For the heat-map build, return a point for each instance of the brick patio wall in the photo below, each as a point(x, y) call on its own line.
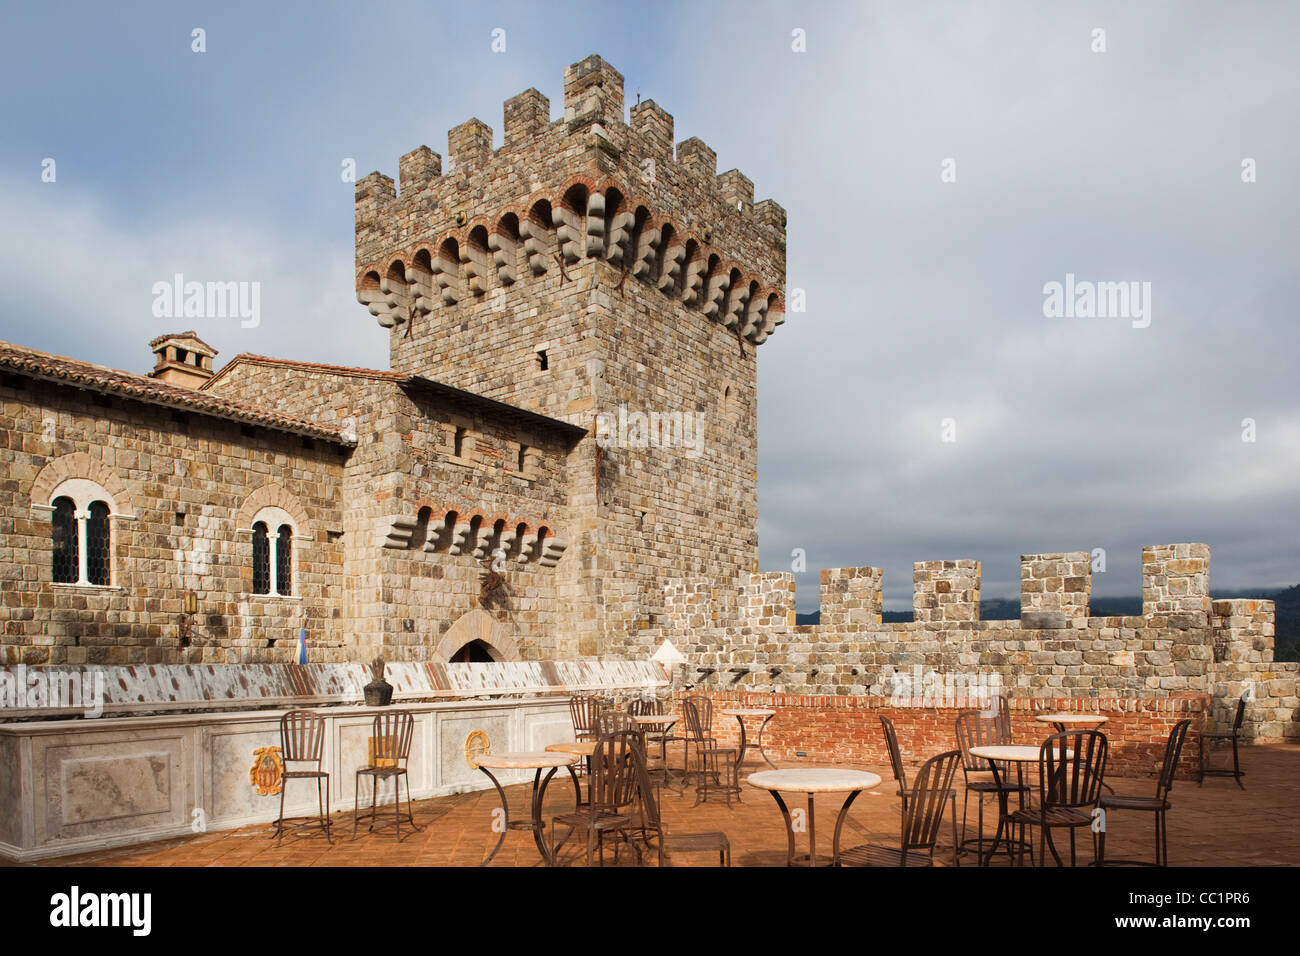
point(843, 729)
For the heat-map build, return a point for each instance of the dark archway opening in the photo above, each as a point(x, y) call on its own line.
point(475, 652)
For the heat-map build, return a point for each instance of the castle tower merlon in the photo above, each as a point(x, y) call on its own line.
point(469, 145)
point(653, 125)
point(418, 169)
point(526, 115)
point(593, 94)
point(737, 190)
point(695, 155)
point(1055, 589)
point(946, 591)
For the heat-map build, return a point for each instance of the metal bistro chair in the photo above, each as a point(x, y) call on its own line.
point(651, 707)
point(392, 736)
point(670, 843)
point(611, 792)
point(976, 729)
point(1217, 737)
point(302, 741)
point(704, 708)
point(922, 817)
point(1159, 804)
point(1071, 767)
point(900, 775)
point(713, 761)
point(583, 712)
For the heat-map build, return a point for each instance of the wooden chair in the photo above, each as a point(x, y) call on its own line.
point(302, 741)
point(1159, 804)
point(391, 736)
point(611, 790)
point(976, 729)
point(1071, 767)
point(713, 761)
point(1217, 737)
point(900, 775)
point(670, 843)
point(922, 817)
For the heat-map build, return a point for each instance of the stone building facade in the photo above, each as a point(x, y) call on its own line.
point(560, 462)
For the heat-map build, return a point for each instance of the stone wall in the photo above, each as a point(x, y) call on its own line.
point(181, 483)
point(1060, 653)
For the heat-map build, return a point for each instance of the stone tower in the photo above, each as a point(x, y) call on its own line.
point(584, 272)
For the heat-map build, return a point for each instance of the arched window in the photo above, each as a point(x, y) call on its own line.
point(65, 541)
point(273, 536)
point(284, 560)
point(81, 534)
point(261, 559)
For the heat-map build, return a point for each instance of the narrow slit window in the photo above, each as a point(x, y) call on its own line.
point(459, 443)
point(98, 544)
point(284, 560)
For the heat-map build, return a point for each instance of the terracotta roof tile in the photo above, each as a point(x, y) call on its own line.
point(100, 378)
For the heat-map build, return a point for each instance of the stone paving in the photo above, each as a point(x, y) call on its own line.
point(1216, 824)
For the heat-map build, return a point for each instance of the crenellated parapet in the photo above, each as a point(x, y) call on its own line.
point(591, 186)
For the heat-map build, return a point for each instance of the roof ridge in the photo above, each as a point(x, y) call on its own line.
point(59, 368)
point(353, 370)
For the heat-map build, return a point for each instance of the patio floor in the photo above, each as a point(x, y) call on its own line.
point(1217, 824)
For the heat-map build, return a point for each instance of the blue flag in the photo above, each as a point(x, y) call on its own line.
point(302, 645)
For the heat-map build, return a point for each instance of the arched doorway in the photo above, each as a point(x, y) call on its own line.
point(475, 652)
point(477, 636)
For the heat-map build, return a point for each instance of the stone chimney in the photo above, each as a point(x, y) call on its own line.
point(182, 358)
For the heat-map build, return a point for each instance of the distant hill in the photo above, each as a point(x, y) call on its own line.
point(1287, 642)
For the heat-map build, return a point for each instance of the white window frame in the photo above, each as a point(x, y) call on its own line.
point(273, 518)
point(83, 492)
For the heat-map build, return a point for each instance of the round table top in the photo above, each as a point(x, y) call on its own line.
point(750, 712)
point(1072, 718)
point(524, 761)
point(578, 748)
point(655, 719)
point(814, 779)
point(1016, 753)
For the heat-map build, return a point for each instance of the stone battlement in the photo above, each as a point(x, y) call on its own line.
point(588, 187)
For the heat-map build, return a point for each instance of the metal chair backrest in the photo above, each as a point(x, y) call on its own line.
point(649, 801)
point(923, 810)
point(895, 758)
point(1173, 748)
point(696, 730)
point(583, 711)
point(302, 737)
point(392, 734)
point(1071, 767)
point(1241, 714)
point(1004, 717)
point(975, 729)
point(704, 707)
point(613, 772)
point(612, 721)
point(645, 707)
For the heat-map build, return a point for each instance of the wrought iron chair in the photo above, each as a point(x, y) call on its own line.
point(713, 761)
point(1159, 804)
point(583, 712)
point(669, 843)
point(1071, 767)
point(704, 706)
point(302, 741)
point(610, 721)
point(612, 789)
point(922, 817)
point(900, 775)
point(392, 735)
point(1215, 737)
point(977, 729)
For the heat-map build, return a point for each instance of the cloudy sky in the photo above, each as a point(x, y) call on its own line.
point(925, 297)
